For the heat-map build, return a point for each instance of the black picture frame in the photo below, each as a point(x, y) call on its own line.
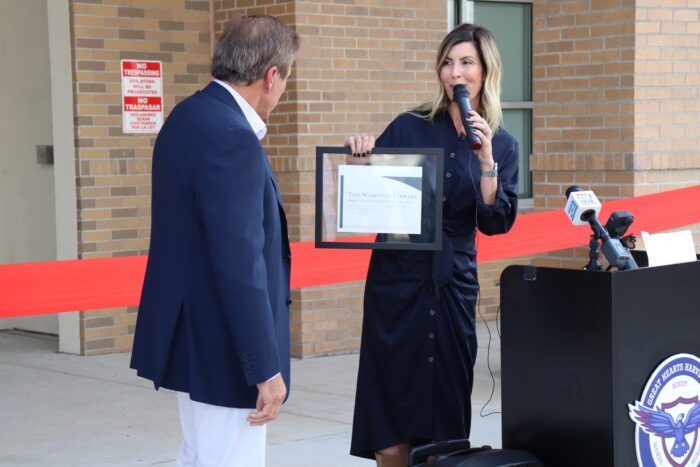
point(328, 159)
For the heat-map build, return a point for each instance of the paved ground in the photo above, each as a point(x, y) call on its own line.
point(66, 410)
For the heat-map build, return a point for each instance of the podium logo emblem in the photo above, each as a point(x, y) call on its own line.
point(667, 416)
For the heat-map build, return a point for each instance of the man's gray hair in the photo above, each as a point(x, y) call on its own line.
point(250, 45)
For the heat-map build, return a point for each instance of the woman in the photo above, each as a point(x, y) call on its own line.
point(418, 338)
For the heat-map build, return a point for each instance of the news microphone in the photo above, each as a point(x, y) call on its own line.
point(460, 95)
point(580, 205)
point(583, 207)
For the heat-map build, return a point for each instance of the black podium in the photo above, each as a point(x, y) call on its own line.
point(578, 346)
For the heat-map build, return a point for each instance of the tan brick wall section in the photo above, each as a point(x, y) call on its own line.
point(361, 63)
point(583, 56)
point(616, 106)
point(616, 109)
point(113, 169)
point(667, 97)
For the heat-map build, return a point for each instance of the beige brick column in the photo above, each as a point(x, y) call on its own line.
point(361, 63)
point(584, 89)
point(667, 97)
point(113, 168)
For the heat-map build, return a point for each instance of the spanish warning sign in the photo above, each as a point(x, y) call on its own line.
point(142, 96)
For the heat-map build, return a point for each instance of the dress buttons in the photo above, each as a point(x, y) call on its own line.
point(452, 155)
point(431, 336)
point(432, 312)
point(431, 359)
point(444, 198)
point(448, 174)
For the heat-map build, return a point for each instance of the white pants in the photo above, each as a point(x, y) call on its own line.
point(218, 436)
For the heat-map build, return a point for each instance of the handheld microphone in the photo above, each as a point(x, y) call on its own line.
point(583, 207)
point(460, 95)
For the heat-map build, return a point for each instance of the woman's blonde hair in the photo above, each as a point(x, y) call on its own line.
point(490, 99)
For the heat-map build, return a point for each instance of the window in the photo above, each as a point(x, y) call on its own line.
point(511, 24)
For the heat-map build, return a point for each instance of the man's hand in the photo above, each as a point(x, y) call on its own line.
point(270, 397)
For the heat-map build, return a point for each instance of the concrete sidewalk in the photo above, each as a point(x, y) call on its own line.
point(66, 410)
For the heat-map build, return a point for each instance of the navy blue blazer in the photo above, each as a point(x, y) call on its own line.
point(213, 320)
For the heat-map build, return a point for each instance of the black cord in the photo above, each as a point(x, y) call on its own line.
point(478, 305)
point(488, 362)
point(498, 319)
point(476, 203)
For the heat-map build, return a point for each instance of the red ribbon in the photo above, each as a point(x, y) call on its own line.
point(59, 286)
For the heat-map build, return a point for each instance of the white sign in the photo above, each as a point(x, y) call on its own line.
point(379, 199)
point(669, 248)
point(142, 96)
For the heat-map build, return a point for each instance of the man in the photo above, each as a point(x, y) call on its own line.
point(213, 322)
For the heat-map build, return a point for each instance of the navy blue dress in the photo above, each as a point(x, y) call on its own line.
point(418, 335)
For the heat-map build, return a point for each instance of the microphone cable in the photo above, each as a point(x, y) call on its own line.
point(478, 307)
point(488, 358)
point(478, 303)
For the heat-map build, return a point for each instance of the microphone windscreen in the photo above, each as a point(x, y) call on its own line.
point(570, 189)
point(460, 91)
point(580, 205)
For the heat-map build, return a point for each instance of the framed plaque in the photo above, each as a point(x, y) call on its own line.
point(391, 199)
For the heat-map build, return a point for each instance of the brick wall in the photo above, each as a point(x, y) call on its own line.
point(616, 109)
point(327, 320)
point(583, 83)
point(113, 169)
point(616, 106)
point(361, 63)
point(667, 100)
